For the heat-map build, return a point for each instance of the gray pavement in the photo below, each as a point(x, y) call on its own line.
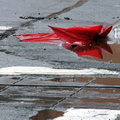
point(22, 96)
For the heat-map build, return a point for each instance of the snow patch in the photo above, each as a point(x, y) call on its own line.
point(17, 70)
point(5, 27)
point(89, 114)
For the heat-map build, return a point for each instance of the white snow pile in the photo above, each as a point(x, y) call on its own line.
point(90, 114)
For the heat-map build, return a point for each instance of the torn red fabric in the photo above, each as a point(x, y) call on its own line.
point(81, 40)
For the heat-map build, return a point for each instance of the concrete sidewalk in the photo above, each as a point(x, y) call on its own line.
point(25, 92)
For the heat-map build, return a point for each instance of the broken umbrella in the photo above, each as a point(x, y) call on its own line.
point(84, 41)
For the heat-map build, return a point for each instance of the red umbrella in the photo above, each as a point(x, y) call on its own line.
point(83, 41)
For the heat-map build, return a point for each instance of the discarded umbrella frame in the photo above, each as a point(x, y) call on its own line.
point(84, 41)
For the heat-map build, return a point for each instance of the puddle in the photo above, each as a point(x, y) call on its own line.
point(4, 99)
point(107, 81)
point(112, 58)
point(9, 79)
point(47, 115)
point(49, 96)
point(94, 98)
point(71, 79)
point(81, 114)
point(114, 43)
point(58, 92)
point(15, 78)
point(101, 100)
point(105, 92)
point(101, 96)
point(1, 88)
point(89, 114)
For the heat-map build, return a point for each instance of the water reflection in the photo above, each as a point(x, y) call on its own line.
point(112, 58)
point(95, 98)
point(104, 91)
point(71, 79)
point(47, 114)
point(95, 49)
point(107, 81)
point(101, 100)
point(113, 41)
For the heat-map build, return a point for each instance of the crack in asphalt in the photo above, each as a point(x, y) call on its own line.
point(74, 93)
point(7, 87)
point(67, 9)
point(64, 10)
point(11, 31)
point(7, 33)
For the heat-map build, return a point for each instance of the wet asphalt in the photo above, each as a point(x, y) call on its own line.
point(22, 96)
